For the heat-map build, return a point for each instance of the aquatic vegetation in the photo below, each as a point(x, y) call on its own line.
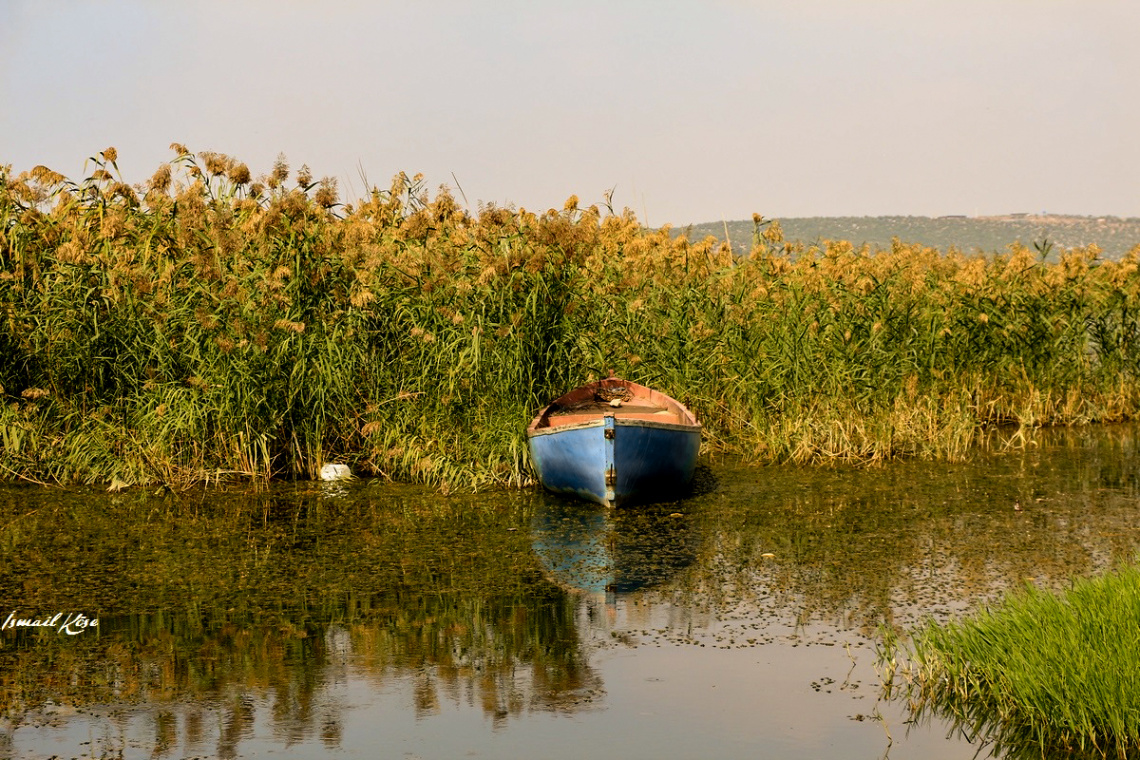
point(212, 325)
point(1041, 673)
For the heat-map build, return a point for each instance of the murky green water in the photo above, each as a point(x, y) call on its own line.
point(379, 621)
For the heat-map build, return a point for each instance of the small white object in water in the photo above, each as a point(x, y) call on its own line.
point(336, 472)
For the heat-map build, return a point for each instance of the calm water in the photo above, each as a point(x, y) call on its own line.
point(374, 620)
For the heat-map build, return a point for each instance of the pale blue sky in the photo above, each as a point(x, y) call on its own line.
point(692, 111)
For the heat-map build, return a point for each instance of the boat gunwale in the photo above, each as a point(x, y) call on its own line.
point(618, 422)
point(689, 420)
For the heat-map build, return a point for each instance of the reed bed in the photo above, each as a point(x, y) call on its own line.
point(1040, 674)
point(210, 325)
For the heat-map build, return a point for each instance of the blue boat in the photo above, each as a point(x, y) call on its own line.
point(615, 442)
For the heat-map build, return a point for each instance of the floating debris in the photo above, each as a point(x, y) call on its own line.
point(336, 472)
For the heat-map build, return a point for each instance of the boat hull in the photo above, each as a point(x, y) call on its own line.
point(614, 461)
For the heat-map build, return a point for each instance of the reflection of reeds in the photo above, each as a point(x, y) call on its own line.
point(210, 324)
point(515, 655)
point(863, 547)
point(259, 596)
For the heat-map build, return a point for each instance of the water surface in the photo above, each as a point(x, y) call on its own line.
point(374, 620)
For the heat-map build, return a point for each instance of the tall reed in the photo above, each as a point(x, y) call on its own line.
point(209, 323)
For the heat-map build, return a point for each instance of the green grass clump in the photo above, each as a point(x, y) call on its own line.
point(209, 324)
point(1044, 673)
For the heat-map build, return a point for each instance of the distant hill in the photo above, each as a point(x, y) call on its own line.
point(1114, 235)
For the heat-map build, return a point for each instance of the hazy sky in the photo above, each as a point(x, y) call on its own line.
point(690, 111)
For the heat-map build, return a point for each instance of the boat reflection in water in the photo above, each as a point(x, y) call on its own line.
point(601, 552)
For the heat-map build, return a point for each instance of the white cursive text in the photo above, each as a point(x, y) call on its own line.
point(70, 623)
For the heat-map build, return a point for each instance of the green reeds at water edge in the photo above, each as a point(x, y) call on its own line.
point(210, 324)
point(1039, 675)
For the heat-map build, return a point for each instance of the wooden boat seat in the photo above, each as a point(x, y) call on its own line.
point(590, 411)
